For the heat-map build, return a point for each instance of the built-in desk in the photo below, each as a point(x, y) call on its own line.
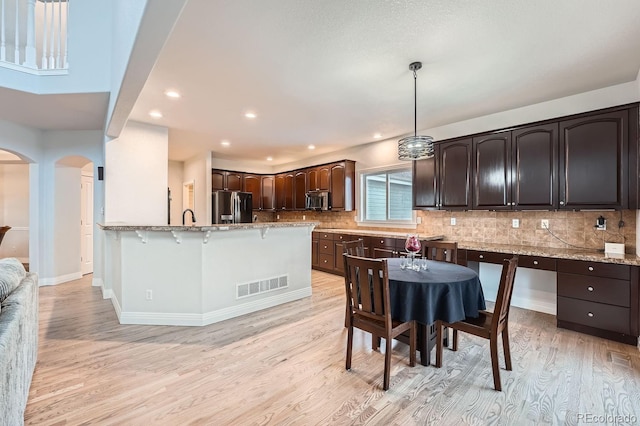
point(596, 294)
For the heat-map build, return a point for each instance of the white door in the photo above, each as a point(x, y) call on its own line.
point(86, 224)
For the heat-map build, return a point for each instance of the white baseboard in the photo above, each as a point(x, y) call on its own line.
point(115, 303)
point(533, 305)
point(59, 279)
point(157, 318)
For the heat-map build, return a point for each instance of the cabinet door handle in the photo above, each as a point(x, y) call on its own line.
point(562, 203)
point(535, 262)
point(590, 314)
point(590, 268)
point(481, 256)
point(590, 288)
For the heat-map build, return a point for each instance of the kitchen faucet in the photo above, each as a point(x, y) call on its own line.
point(193, 216)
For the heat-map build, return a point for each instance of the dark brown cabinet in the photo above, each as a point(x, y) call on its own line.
point(268, 192)
point(284, 191)
point(299, 189)
point(226, 180)
point(598, 298)
point(455, 174)
point(252, 184)
point(594, 162)
point(318, 178)
point(586, 161)
point(343, 185)
point(315, 246)
point(535, 167)
point(492, 171)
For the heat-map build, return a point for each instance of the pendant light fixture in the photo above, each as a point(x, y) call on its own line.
point(415, 147)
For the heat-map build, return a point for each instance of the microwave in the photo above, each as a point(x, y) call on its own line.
point(318, 200)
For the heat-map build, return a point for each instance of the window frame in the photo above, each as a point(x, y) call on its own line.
point(361, 191)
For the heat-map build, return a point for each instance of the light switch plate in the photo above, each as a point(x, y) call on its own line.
point(453, 221)
point(515, 223)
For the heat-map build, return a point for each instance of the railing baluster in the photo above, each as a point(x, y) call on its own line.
point(52, 63)
point(16, 50)
point(65, 64)
point(3, 28)
point(44, 65)
point(58, 61)
point(30, 47)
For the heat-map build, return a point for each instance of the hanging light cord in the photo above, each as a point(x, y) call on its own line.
point(415, 103)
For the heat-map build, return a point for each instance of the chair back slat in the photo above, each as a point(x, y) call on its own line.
point(354, 248)
point(367, 285)
point(444, 251)
point(505, 290)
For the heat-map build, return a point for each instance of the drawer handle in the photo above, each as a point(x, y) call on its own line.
point(381, 241)
point(591, 268)
point(325, 246)
point(590, 314)
point(535, 262)
point(481, 256)
point(590, 288)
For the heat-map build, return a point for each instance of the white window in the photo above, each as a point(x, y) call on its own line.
point(385, 196)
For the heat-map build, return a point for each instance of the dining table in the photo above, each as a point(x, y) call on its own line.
point(441, 291)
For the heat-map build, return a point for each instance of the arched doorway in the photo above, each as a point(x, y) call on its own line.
point(14, 205)
point(73, 217)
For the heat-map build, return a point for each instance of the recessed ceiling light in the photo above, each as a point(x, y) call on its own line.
point(269, 158)
point(377, 135)
point(311, 147)
point(250, 115)
point(172, 94)
point(155, 114)
point(225, 143)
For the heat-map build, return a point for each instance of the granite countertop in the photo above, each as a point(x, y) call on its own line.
point(378, 233)
point(221, 227)
point(557, 253)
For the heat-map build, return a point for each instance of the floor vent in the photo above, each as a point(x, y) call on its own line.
point(262, 286)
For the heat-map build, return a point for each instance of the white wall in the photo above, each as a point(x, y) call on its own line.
point(14, 210)
point(175, 184)
point(198, 170)
point(136, 175)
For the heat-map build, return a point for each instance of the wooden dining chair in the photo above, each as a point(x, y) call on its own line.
point(489, 325)
point(369, 302)
point(353, 248)
point(444, 251)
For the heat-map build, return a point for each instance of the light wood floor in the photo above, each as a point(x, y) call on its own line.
point(285, 365)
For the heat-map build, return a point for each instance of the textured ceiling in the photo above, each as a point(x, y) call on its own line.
point(334, 72)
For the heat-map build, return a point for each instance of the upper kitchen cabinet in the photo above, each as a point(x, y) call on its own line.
point(299, 189)
point(226, 180)
point(455, 174)
point(594, 161)
point(425, 182)
point(268, 192)
point(252, 184)
point(492, 171)
point(284, 191)
point(318, 178)
point(535, 167)
point(343, 185)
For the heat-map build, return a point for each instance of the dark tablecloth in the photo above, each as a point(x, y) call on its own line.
point(445, 291)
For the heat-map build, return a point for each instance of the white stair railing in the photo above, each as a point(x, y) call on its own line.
point(34, 35)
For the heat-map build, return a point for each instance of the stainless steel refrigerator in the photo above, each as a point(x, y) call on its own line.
point(231, 207)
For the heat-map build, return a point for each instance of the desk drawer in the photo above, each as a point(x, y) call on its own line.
point(345, 237)
point(384, 242)
point(598, 315)
point(325, 235)
point(597, 269)
point(487, 256)
point(595, 289)
point(537, 262)
point(326, 247)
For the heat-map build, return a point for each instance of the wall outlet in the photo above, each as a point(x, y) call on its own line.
point(304, 217)
point(601, 224)
point(277, 217)
point(149, 295)
point(515, 223)
point(418, 220)
point(544, 223)
point(453, 221)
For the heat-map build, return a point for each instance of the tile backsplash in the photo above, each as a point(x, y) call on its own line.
point(567, 229)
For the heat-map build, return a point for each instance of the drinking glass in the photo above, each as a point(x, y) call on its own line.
point(412, 246)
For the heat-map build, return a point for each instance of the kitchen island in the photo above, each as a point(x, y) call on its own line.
point(198, 275)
